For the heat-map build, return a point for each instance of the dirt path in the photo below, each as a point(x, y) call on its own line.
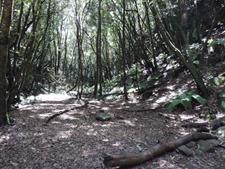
point(75, 140)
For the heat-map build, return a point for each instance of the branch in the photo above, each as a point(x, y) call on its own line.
point(65, 111)
point(131, 160)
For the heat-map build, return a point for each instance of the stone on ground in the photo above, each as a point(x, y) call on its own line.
point(185, 151)
point(102, 116)
point(207, 145)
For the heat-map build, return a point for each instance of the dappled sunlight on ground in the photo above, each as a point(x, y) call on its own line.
point(4, 138)
point(166, 164)
point(183, 132)
point(186, 117)
point(76, 136)
point(63, 134)
point(129, 123)
point(49, 97)
point(92, 132)
point(116, 144)
point(43, 116)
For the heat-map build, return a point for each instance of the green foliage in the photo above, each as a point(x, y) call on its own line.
point(8, 119)
point(219, 80)
point(193, 52)
point(222, 105)
point(135, 69)
point(214, 42)
point(222, 95)
point(185, 100)
point(110, 84)
point(131, 78)
point(221, 99)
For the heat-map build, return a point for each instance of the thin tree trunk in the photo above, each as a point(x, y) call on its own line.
point(189, 65)
point(124, 51)
point(6, 19)
point(98, 73)
point(151, 36)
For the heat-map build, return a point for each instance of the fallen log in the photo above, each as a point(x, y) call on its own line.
point(139, 110)
point(65, 111)
point(218, 123)
point(215, 124)
point(112, 94)
point(130, 160)
point(195, 125)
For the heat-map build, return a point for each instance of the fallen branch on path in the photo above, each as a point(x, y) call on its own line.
point(112, 94)
point(138, 110)
point(215, 124)
point(168, 116)
point(131, 160)
point(65, 111)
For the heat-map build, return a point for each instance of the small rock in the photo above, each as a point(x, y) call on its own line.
point(102, 116)
point(14, 164)
point(221, 131)
point(191, 144)
point(186, 151)
point(222, 145)
point(140, 148)
point(207, 145)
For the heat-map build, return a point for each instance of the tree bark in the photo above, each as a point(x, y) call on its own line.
point(4, 47)
point(98, 75)
point(151, 35)
point(124, 51)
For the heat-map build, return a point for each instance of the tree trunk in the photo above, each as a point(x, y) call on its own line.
point(98, 75)
point(151, 36)
point(4, 47)
point(189, 65)
point(124, 51)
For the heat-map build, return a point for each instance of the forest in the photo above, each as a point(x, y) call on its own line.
point(95, 84)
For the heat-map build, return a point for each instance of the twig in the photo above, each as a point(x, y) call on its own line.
point(65, 111)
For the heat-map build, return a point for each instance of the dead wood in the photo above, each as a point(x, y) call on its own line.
point(215, 124)
point(168, 116)
point(138, 110)
point(112, 94)
point(195, 125)
point(65, 111)
point(130, 160)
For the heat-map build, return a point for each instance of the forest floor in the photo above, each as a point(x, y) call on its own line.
point(77, 140)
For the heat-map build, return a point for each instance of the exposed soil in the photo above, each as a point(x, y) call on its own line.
point(76, 140)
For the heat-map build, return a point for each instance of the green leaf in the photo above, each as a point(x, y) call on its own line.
point(222, 95)
point(222, 104)
point(8, 119)
point(199, 99)
point(196, 62)
point(219, 80)
point(186, 102)
point(103, 117)
point(173, 105)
